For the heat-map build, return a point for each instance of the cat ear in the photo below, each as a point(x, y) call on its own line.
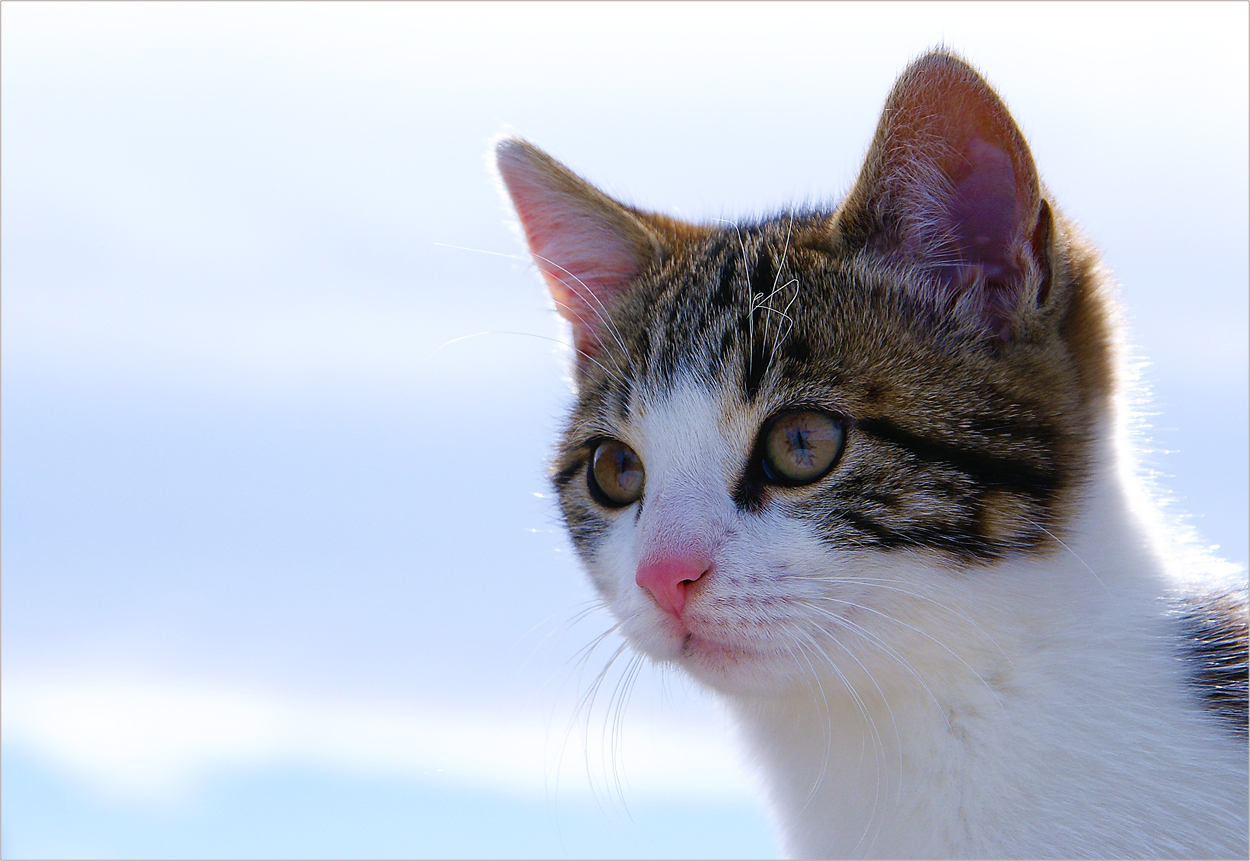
point(949, 186)
point(588, 247)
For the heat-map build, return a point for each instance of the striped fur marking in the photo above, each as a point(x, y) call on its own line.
point(1215, 647)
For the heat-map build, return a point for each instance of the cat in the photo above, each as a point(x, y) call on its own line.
point(865, 473)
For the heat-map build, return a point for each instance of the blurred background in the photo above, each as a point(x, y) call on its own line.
point(281, 573)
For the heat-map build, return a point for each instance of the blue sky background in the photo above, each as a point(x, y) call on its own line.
point(281, 576)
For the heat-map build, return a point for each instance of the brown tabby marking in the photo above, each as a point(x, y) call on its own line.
point(958, 443)
point(1216, 648)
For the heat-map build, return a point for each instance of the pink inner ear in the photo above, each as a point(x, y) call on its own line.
point(984, 227)
point(586, 267)
point(588, 248)
point(950, 168)
point(984, 209)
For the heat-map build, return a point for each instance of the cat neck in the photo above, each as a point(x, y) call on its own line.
point(1019, 690)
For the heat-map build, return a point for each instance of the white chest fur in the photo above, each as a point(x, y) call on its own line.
point(1052, 721)
point(1036, 707)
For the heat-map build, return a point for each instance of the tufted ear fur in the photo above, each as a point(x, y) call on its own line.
point(949, 186)
point(588, 247)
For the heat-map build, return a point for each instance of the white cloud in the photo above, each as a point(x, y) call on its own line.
point(155, 741)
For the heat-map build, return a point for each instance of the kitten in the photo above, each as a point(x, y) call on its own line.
point(863, 472)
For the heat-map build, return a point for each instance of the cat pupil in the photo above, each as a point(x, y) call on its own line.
point(627, 477)
point(799, 448)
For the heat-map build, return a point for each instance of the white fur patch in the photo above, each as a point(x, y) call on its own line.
point(902, 707)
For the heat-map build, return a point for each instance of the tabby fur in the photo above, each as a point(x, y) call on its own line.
point(969, 638)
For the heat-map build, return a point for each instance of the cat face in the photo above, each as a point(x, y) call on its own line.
point(791, 436)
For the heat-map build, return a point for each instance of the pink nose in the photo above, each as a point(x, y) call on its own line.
point(667, 579)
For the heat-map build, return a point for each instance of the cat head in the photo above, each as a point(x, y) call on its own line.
point(776, 420)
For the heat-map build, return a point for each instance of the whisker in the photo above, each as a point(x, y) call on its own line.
point(560, 631)
point(878, 583)
point(587, 702)
point(600, 311)
point(777, 277)
point(585, 291)
point(884, 699)
point(927, 636)
point(786, 311)
point(827, 718)
point(753, 306)
point(606, 370)
point(619, 375)
point(523, 259)
point(616, 718)
point(1075, 555)
point(580, 658)
point(884, 646)
point(878, 746)
point(517, 257)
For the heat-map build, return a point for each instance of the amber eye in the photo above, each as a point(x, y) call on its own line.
point(615, 474)
point(801, 446)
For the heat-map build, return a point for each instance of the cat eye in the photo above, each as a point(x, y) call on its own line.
point(800, 446)
point(615, 475)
